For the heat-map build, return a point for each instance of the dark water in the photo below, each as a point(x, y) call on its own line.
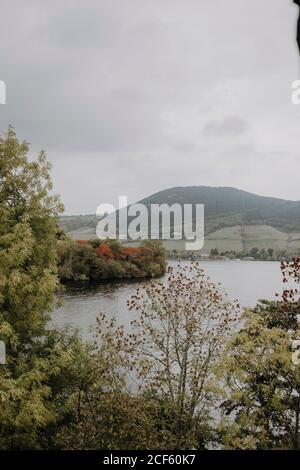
point(247, 281)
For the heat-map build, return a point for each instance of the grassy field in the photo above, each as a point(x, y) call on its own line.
point(243, 238)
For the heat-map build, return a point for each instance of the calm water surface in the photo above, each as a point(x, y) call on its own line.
point(247, 281)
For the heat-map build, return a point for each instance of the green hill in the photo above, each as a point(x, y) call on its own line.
point(234, 219)
point(226, 207)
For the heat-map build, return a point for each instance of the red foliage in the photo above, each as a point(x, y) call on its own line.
point(104, 250)
point(131, 252)
point(291, 274)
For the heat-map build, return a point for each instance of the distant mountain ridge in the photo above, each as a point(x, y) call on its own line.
point(225, 207)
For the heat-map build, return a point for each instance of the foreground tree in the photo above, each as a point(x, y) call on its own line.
point(262, 409)
point(28, 217)
point(180, 330)
point(98, 410)
point(28, 226)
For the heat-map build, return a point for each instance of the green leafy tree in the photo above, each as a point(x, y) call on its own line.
point(262, 407)
point(28, 227)
point(214, 252)
point(97, 409)
point(28, 279)
point(254, 252)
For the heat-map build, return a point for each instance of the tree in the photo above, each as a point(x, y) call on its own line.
point(77, 261)
point(262, 407)
point(151, 258)
point(97, 260)
point(254, 252)
point(28, 225)
point(97, 410)
point(105, 250)
point(214, 252)
point(179, 330)
point(28, 279)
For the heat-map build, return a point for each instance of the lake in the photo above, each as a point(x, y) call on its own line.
point(247, 281)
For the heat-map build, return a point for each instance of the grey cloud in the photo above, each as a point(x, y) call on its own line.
point(229, 126)
point(184, 147)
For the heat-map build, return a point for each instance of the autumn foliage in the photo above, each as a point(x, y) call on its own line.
point(105, 250)
point(94, 260)
point(125, 253)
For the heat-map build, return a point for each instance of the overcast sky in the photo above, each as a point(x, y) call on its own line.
point(134, 96)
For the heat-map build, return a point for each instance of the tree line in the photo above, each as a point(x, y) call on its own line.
point(258, 254)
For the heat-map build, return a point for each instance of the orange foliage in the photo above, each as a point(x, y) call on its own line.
point(126, 253)
point(131, 251)
point(104, 250)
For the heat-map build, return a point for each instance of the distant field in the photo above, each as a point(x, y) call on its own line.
point(237, 238)
point(243, 238)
